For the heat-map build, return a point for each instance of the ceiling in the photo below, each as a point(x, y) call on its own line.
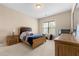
point(47, 9)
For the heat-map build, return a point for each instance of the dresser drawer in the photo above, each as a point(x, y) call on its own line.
point(12, 40)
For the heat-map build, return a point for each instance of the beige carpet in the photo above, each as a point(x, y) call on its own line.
point(21, 49)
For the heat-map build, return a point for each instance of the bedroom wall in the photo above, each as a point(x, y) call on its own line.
point(11, 20)
point(62, 21)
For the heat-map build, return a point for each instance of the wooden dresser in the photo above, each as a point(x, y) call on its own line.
point(67, 45)
point(12, 39)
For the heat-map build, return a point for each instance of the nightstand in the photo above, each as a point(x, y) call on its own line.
point(12, 40)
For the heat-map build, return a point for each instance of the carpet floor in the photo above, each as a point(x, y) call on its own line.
point(21, 49)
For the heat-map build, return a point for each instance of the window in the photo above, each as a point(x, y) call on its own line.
point(49, 27)
point(45, 28)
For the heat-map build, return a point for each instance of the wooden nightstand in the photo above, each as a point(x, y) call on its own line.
point(12, 39)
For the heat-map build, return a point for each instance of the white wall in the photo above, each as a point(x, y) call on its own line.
point(11, 20)
point(62, 21)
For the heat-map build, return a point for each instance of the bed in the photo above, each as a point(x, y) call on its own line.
point(33, 40)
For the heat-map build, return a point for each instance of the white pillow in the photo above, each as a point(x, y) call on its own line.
point(28, 32)
point(24, 34)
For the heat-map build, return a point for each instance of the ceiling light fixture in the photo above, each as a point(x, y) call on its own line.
point(38, 5)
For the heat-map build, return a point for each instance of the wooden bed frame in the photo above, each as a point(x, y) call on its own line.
point(36, 42)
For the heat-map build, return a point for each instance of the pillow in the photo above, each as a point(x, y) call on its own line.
point(29, 33)
point(25, 35)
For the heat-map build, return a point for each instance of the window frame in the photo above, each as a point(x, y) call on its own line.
point(48, 25)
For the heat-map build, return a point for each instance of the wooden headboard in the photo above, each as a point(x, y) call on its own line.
point(23, 29)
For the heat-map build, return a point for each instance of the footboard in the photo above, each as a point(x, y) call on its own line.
point(37, 42)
